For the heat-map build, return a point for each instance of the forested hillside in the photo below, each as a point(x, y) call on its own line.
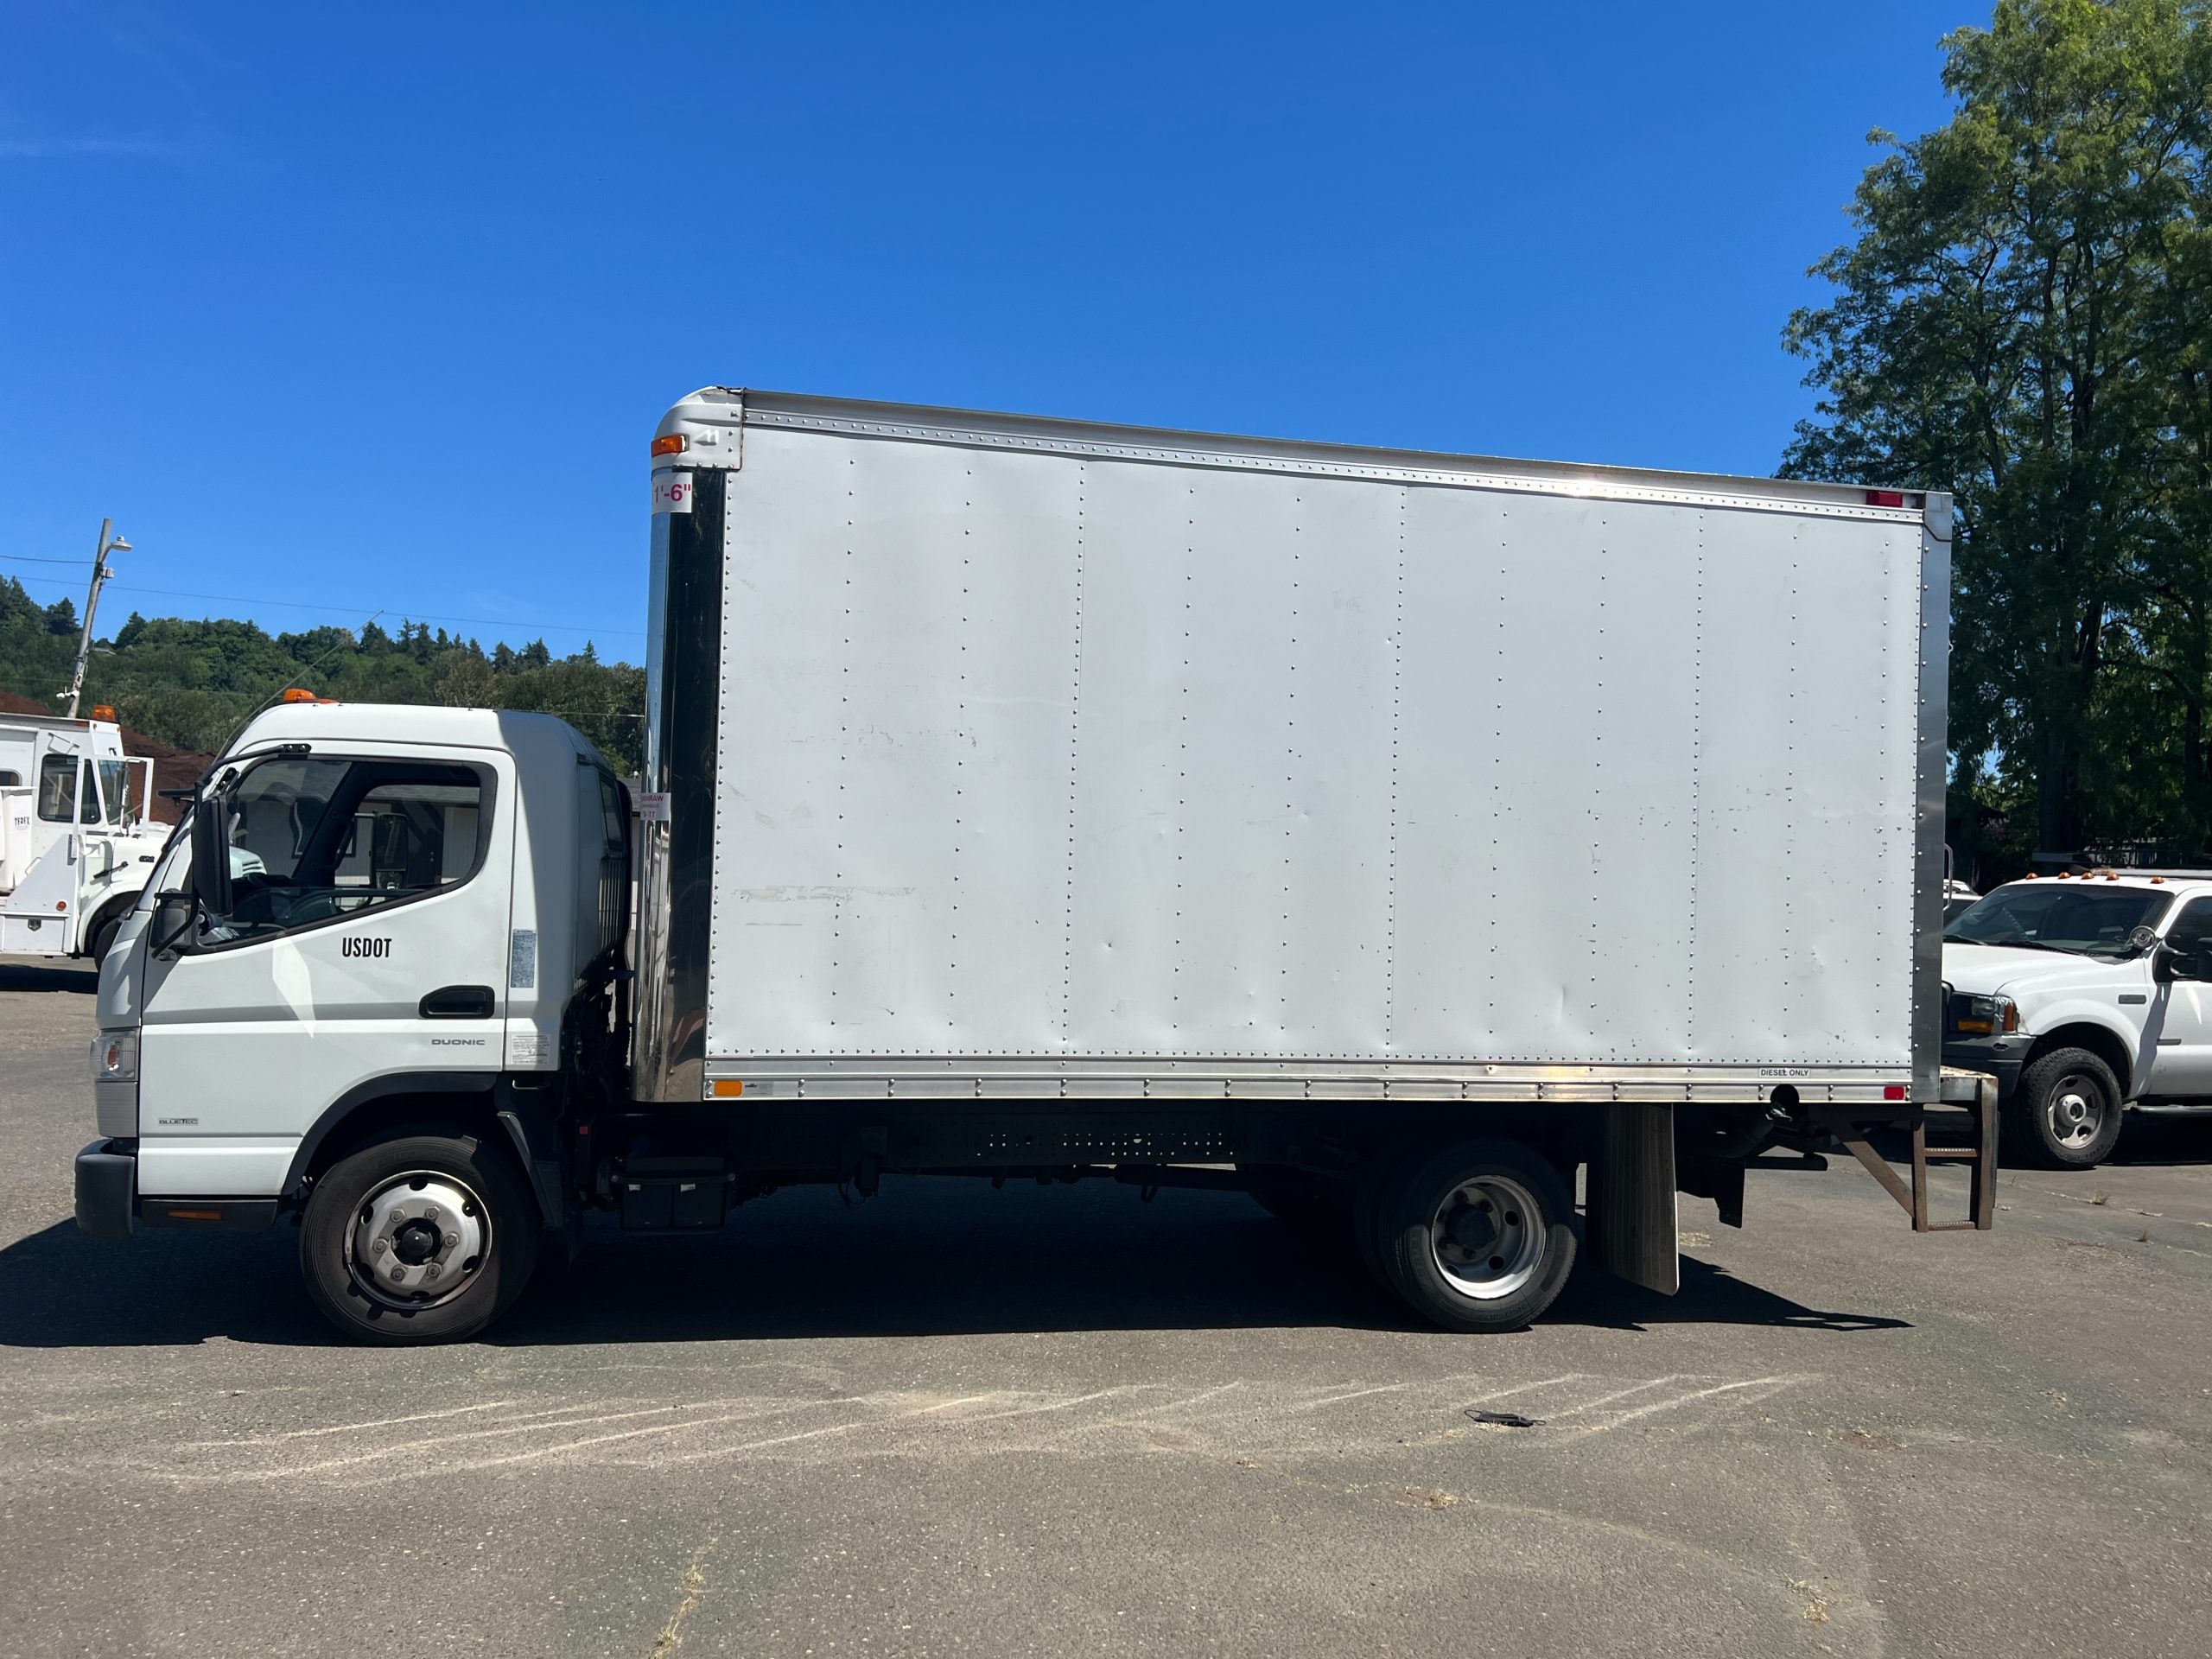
point(190, 685)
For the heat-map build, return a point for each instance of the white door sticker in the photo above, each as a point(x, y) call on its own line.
point(652, 806)
point(671, 492)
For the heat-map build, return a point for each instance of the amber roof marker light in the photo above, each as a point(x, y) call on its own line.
point(672, 444)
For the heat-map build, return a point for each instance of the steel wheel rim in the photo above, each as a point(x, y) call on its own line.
point(2075, 1112)
point(418, 1240)
point(1486, 1238)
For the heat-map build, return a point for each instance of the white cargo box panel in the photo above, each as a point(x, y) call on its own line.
point(1048, 752)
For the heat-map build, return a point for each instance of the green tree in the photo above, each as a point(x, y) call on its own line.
point(2019, 320)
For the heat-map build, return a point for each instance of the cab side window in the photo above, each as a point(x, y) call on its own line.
point(2190, 933)
point(57, 792)
point(10, 779)
point(314, 839)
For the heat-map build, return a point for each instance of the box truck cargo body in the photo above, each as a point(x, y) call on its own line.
point(1026, 757)
point(1392, 834)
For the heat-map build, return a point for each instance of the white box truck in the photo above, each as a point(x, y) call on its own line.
point(1394, 836)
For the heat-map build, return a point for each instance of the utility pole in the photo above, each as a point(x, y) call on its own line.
point(110, 543)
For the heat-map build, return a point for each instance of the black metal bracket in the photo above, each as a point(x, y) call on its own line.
point(1848, 1126)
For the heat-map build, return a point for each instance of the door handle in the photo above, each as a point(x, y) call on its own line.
point(457, 1003)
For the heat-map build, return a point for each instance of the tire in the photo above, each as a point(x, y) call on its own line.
point(1311, 1204)
point(460, 1268)
point(2064, 1114)
point(1477, 1236)
point(1368, 1193)
point(104, 932)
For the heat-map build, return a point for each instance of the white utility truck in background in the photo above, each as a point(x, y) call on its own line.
point(2083, 995)
point(1394, 835)
point(78, 838)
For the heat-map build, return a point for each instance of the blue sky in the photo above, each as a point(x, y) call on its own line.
point(343, 309)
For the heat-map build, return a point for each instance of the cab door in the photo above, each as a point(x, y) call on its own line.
point(367, 938)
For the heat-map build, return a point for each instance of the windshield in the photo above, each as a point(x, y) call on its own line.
point(2082, 919)
point(115, 794)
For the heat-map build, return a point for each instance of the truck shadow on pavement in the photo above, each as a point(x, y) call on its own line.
point(80, 977)
point(910, 1263)
point(2167, 1140)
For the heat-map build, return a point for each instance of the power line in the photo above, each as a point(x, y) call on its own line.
point(25, 558)
point(294, 605)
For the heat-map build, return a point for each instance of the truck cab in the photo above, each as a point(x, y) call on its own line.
point(2085, 996)
point(381, 916)
point(78, 840)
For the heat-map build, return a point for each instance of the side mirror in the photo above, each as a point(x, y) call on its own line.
point(172, 923)
point(2165, 964)
point(210, 853)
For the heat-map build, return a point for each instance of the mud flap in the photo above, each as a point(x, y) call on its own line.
point(1632, 1223)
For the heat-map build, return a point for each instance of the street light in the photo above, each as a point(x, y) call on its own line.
point(110, 543)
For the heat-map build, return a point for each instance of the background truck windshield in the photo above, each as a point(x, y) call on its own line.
point(2062, 916)
point(115, 793)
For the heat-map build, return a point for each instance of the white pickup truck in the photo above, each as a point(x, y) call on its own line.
point(2083, 995)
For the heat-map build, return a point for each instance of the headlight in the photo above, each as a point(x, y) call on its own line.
point(115, 1057)
point(1981, 1016)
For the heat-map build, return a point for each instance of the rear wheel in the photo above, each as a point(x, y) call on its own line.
point(1477, 1236)
point(2065, 1113)
point(421, 1238)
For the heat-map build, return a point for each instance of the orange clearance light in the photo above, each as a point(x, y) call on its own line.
point(726, 1088)
point(103, 711)
point(671, 445)
point(2157, 881)
point(300, 694)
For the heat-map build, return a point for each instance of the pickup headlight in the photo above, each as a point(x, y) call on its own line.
point(1981, 1016)
point(115, 1057)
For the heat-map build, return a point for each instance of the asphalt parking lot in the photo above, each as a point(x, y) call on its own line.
point(952, 1421)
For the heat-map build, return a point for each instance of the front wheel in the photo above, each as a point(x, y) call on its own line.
point(423, 1239)
point(1477, 1236)
point(2065, 1113)
point(104, 932)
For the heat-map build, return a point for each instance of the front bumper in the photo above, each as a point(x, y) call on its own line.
point(108, 1205)
point(2001, 1057)
point(107, 1188)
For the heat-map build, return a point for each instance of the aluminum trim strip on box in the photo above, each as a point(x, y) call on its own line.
point(1930, 802)
point(716, 409)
